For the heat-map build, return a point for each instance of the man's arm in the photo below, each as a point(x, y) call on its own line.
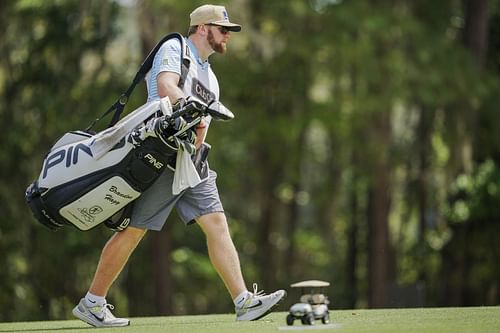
point(168, 86)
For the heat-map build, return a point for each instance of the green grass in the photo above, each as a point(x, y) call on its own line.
point(428, 320)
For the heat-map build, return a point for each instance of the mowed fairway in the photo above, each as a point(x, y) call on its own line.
point(428, 320)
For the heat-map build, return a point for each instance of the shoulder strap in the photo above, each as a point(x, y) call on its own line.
point(146, 65)
point(186, 62)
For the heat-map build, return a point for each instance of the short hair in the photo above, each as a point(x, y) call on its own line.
point(192, 30)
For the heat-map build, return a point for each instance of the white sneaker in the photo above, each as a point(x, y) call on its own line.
point(98, 316)
point(258, 304)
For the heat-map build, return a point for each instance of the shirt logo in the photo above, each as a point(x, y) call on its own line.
point(200, 91)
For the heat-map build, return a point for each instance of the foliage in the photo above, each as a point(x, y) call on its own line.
point(330, 97)
point(53, 68)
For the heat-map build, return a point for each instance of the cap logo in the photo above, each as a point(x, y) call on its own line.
point(226, 17)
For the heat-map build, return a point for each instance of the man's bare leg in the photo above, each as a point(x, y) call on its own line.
point(222, 252)
point(93, 308)
point(114, 256)
point(223, 255)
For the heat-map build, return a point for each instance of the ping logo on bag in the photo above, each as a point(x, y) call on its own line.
point(69, 154)
point(153, 161)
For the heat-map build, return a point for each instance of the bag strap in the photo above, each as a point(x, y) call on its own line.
point(146, 65)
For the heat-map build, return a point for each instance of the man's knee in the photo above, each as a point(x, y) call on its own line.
point(213, 223)
point(131, 234)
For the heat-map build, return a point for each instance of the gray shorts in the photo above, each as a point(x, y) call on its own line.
point(153, 207)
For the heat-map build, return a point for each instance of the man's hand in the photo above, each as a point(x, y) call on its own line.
point(201, 132)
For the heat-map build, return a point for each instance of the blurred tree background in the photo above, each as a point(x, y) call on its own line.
point(365, 151)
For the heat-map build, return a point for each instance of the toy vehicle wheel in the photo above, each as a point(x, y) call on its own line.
point(309, 320)
point(326, 318)
point(289, 320)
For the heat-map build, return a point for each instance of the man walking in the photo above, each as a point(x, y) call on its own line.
point(209, 32)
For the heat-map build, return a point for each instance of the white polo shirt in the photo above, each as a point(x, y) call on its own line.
point(201, 82)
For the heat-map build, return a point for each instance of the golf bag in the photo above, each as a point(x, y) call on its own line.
point(84, 185)
point(88, 179)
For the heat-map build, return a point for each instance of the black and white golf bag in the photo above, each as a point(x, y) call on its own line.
point(79, 187)
point(90, 179)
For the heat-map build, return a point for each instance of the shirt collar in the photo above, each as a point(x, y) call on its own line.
point(194, 51)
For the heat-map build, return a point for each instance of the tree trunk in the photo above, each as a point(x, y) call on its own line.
point(290, 268)
point(291, 228)
point(378, 238)
point(264, 246)
point(423, 184)
point(379, 254)
point(475, 33)
point(161, 249)
point(475, 40)
point(352, 240)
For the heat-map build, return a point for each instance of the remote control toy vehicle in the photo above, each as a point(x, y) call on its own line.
point(313, 303)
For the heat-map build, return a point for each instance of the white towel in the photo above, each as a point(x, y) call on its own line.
point(107, 139)
point(185, 172)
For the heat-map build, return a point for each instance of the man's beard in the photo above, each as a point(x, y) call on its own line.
point(217, 47)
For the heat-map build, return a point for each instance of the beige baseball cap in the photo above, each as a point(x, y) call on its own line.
point(211, 14)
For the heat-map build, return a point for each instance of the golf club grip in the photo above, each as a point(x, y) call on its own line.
point(189, 108)
point(185, 129)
